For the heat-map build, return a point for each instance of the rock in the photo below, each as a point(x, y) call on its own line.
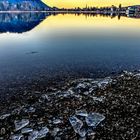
point(44, 97)
point(2, 117)
point(30, 110)
point(2, 131)
point(57, 121)
point(99, 99)
point(55, 131)
point(57, 138)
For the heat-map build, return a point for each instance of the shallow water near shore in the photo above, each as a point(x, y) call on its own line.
point(34, 46)
point(53, 72)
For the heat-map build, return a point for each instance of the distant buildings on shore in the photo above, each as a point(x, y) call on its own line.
point(119, 9)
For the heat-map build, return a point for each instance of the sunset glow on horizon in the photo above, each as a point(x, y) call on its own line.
point(83, 3)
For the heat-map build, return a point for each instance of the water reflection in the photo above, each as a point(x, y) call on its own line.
point(24, 22)
point(20, 22)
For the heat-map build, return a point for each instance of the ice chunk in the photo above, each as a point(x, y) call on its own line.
point(33, 135)
point(99, 99)
point(94, 119)
point(55, 131)
point(45, 97)
point(128, 73)
point(137, 75)
point(2, 117)
point(57, 121)
point(103, 83)
point(82, 132)
point(43, 132)
point(16, 137)
point(30, 110)
point(76, 124)
point(20, 124)
point(82, 113)
point(81, 85)
point(26, 130)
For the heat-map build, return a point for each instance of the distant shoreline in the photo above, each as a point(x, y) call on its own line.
point(57, 12)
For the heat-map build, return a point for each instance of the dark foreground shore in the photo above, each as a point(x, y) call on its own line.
point(94, 109)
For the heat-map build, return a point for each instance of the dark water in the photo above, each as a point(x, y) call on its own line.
point(40, 45)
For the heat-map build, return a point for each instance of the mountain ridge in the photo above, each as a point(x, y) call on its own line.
point(23, 5)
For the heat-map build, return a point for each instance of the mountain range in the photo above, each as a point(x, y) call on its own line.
point(23, 5)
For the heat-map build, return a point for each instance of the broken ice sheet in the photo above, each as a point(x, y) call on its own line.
point(103, 83)
point(43, 132)
point(33, 135)
point(94, 119)
point(76, 124)
point(82, 113)
point(19, 124)
point(16, 137)
point(38, 134)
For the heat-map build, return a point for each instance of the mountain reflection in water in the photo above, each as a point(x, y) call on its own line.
point(26, 21)
point(20, 22)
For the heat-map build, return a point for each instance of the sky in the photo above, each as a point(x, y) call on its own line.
point(83, 3)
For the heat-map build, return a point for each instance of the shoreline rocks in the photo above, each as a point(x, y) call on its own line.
point(100, 109)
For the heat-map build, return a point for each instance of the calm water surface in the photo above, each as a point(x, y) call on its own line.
point(35, 45)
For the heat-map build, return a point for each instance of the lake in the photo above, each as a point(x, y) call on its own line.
point(37, 46)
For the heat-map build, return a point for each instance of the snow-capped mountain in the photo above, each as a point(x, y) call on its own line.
point(23, 5)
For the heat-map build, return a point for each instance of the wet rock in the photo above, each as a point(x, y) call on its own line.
point(57, 138)
point(19, 124)
point(94, 119)
point(17, 111)
point(2, 117)
point(44, 98)
point(55, 131)
point(2, 131)
point(30, 110)
point(57, 121)
point(99, 99)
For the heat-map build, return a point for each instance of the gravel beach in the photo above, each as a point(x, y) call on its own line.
point(82, 109)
